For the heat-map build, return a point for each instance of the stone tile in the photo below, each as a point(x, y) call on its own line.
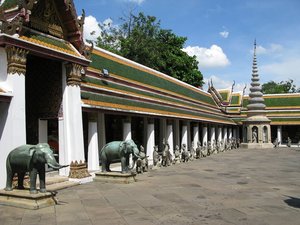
point(243, 187)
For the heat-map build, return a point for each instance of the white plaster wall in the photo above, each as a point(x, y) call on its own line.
point(71, 126)
point(13, 118)
point(43, 131)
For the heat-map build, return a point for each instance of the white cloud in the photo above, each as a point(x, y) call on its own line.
point(139, 2)
point(224, 34)
point(282, 71)
point(91, 29)
point(208, 57)
point(271, 49)
point(220, 83)
point(108, 22)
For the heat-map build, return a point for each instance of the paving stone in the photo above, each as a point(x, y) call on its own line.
point(240, 187)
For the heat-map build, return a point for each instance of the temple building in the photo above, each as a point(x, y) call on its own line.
point(56, 88)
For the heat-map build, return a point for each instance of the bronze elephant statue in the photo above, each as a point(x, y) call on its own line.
point(117, 151)
point(32, 159)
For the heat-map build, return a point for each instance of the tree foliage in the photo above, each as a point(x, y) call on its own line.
point(272, 87)
point(141, 39)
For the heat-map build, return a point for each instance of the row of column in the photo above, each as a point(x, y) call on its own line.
point(169, 129)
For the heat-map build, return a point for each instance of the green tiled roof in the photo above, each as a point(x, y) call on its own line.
point(150, 106)
point(128, 72)
point(108, 84)
point(279, 101)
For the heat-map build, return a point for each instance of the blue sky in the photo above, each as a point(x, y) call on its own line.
point(221, 33)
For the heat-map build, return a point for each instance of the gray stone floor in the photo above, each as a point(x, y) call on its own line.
point(239, 187)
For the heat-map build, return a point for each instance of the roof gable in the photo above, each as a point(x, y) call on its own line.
point(53, 17)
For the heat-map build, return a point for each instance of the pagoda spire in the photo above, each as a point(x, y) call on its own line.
point(257, 132)
point(256, 101)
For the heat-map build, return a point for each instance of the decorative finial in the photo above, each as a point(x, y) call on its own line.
point(255, 46)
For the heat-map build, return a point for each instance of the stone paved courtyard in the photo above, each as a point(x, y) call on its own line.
point(239, 187)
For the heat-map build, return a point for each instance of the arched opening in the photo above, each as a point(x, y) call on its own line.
point(254, 134)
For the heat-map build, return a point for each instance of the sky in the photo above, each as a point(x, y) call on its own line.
point(220, 33)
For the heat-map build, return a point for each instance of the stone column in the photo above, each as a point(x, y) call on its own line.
point(279, 134)
point(101, 130)
point(195, 134)
point(70, 124)
point(162, 132)
point(225, 133)
point(177, 133)
point(184, 134)
point(170, 136)
point(234, 132)
point(127, 135)
point(150, 140)
point(93, 147)
point(237, 133)
point(219, 135)
point(230, 132)
point(204, 134)
point(13, 118)
point(212, 134)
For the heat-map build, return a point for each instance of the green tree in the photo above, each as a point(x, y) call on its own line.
point(141, 39)
point(272, 87)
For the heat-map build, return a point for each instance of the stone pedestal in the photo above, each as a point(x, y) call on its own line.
point(257, 145)
point(23, 199)
point(115, 177)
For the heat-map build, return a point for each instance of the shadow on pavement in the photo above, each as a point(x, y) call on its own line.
point(293, 202)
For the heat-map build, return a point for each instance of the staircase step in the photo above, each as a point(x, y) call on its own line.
point(61, 185)
point(56, 179)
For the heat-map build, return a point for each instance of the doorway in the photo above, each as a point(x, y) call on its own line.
point(43, 87)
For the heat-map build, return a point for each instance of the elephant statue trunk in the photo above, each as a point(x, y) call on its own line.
point(51, 161)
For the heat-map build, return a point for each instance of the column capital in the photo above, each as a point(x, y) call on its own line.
point(73, 74)
point(16, 60)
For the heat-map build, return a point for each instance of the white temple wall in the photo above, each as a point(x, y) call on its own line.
point(13, 117)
